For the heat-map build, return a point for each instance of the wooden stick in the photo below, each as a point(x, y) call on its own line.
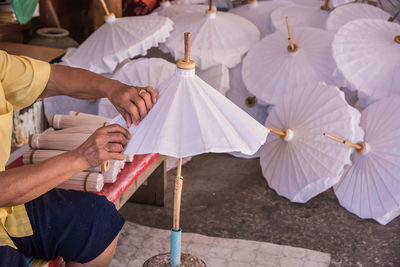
point(210, 8)
point(53, 13)
point(292, 46)
point(186, 63)
point(391, 19)
point(187, 46)
point(277, 131)
point(325, 6)
point(178, 196)
point(105, 7)
point(357, 146)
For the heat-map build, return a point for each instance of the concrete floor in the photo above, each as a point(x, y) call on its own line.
point(225, 196)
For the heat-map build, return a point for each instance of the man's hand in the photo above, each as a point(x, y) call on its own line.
point(104, 144)
point(133, 102)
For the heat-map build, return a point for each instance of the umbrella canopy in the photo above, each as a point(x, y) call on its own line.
point(119, 39)
point(218, 38)
point(170, 10)
point(217, 77)
point(192, 118)
point(239, 95)
point(367, 53)
point(270, 67)
point(300, 16)
point(303, 163)
point(259, 13)
point(341, 15)
point(370, 187)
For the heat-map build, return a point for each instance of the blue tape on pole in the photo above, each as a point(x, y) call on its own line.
point(176, 247)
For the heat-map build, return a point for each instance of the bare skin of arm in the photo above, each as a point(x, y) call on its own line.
point(25, 183)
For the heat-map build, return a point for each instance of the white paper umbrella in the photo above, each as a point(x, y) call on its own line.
point(119, 39)
point(239, 95)
point(191, 118)
point(259, 13)
point(300, 16)
point(171, 10)
point(270, 67)
point(370, 187)
point(218, 38)
point(303, 163)
point(367, 53)
point(341, 15)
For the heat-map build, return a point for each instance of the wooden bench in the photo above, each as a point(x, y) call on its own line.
point(141, 181)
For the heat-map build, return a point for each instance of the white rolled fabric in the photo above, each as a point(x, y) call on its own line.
point(84, 181)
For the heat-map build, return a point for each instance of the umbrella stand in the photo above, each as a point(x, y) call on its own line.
point(325, 6)
point(175, 258)
point(360, 147)
point(391, 19)
point(292, 46)
point(285, 134)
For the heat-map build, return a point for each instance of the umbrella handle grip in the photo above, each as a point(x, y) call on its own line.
point(175, 247)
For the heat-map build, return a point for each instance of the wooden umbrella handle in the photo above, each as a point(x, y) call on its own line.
point(277, 131)
point(178, 196)
point(292, 46)
point(211, 4)
point(105, 7)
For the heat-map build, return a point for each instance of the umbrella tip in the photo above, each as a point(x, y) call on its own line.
point(325, 6)
point(186, 63)
point(251, 101)
point(397, 39)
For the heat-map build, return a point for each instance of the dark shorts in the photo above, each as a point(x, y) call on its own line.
point(75, 225)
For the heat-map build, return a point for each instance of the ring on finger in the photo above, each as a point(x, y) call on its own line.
point(142, 91)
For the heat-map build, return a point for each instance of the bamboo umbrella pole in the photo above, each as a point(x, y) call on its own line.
point(292, 46)
point(178, 196)
point(105, 8)
point(391, 19)
point(277, 131)
point(325, 6)
point(359, 147)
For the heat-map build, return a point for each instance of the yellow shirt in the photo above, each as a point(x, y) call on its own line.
point(22, 80)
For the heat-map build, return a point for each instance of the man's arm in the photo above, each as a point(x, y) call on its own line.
point(26, 183)
point(80, 83)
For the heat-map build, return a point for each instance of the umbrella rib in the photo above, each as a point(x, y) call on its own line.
point(371, 166)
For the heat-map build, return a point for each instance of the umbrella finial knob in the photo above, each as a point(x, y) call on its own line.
point(292, 46)
point(251, 101)
point(186, 63)
point(252, 3)
point(397, 39)
point(325, 6)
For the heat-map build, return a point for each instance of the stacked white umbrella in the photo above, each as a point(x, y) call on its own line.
point(259, 13)
point(117, 40)
point(271, 66)
point(192, 118)
point(299, 163)
point(219, 38)
point(370, 187)
point(344, 14)
point(239, 95)
point(300, 16)
point(367, 53)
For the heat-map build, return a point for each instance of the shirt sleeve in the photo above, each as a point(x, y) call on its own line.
point(23, 79)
